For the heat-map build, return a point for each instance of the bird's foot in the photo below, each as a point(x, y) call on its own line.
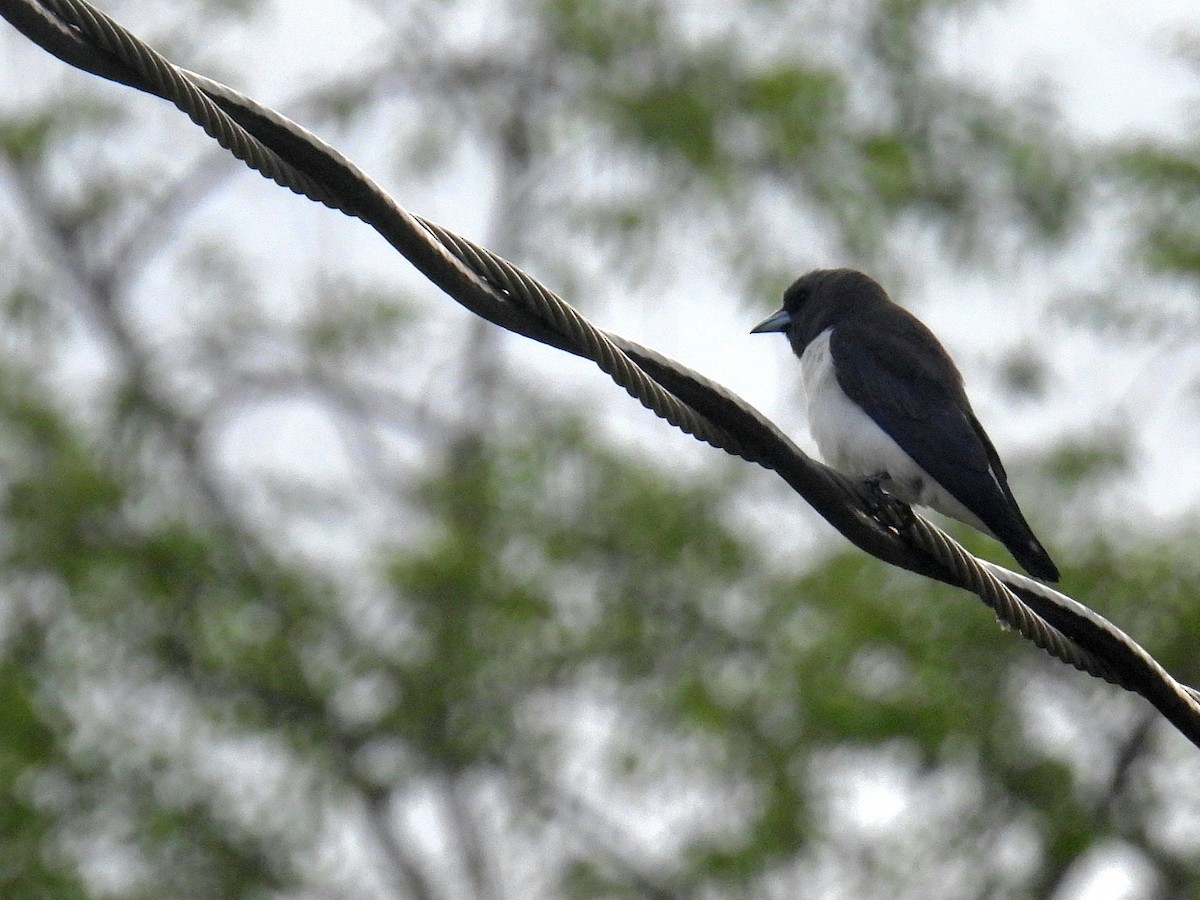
point(891, 511)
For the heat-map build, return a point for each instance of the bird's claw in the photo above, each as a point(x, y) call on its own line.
point(887, 509)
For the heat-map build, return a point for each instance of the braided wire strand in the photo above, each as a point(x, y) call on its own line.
point(1008, 607)
point(589, 340)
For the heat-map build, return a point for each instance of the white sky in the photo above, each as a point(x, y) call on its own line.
point(1110, 60)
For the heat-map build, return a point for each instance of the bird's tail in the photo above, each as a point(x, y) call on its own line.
point(1032, 556)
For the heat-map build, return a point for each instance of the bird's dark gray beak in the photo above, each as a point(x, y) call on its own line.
point(777, 322)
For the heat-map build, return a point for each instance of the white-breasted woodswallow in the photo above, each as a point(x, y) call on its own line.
point(886, 404)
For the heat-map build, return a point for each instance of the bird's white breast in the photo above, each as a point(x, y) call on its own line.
point(851, 442)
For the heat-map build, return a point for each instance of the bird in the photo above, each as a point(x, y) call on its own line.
point(887, 407)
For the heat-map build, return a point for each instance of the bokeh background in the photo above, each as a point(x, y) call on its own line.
point(313, 587)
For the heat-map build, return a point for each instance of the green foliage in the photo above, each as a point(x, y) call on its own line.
point(26, 869)
point(505, 649)
point(793, 107)
point(27, 139)
point(1167, 182)
point(1082, 462)
point(703, 113)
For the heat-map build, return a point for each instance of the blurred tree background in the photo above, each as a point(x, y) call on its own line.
point(312, 587)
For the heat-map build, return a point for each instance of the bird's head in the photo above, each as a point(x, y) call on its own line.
point(817, 300)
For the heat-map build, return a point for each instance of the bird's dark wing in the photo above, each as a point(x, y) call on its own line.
point(898, 373)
